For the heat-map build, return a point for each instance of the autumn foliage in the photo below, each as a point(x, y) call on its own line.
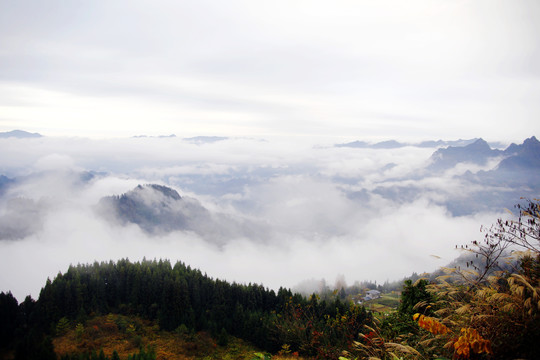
point(490, 309)
point(430, 324)
point(493, 306)
point(469, 342)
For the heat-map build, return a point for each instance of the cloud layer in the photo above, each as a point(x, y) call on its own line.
point(277, 212)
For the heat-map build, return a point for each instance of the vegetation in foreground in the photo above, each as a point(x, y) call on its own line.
point(154, 310)
point(479, 312)
point(116, 336)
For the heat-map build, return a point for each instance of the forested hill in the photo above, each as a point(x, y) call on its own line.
point(174, 296)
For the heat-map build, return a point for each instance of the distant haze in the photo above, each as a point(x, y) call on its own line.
point(249, 210)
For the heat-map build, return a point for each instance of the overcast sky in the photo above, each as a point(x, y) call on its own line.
point(358, 69)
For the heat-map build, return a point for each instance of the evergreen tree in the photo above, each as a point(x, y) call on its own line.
point(414, 294)
point(9, 311)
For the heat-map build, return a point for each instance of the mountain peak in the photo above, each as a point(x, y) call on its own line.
point(477, 152)
point(156, 209)
point(164, 190)
point(532, 141)
point(524, 156)
point(479, 145)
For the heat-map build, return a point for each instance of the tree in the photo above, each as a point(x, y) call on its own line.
point(63, 326)
point(9, 309)
point(223, 337)
point(415, 297)
point(507, 236)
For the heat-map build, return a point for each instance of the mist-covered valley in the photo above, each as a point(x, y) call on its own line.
point(275, 211)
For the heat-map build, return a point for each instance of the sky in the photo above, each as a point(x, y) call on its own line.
point(412, 70)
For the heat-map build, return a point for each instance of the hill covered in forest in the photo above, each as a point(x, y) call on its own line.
point(175, 298)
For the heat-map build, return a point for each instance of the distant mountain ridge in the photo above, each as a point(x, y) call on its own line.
point(19, 134)
point(526, 155)
point(516, 175)
point(393, 144)
point(205, 139)
point(478, 152)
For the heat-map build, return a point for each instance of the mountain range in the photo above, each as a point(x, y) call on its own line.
point(515, 174)
point(393, 144)
point(526, 155)
point(20, 134)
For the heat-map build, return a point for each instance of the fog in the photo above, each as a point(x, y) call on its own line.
point(275, 211)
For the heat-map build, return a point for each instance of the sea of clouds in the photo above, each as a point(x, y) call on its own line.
point(285, 209)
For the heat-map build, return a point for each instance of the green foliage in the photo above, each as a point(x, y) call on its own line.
point(173, 296)
point(389, 302)
point(178, 297)
point(285, 349)
point(156, 290)
point(79, 331)
point(395, 325)
point(149, 354)
point(182, 330)
point(63, 326)
point(223, 337)
point(318, 328)
point(415, 298)
point(130, 330)
point(262, 356)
